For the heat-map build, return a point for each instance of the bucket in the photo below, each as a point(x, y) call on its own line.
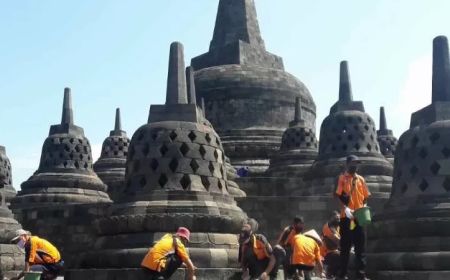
point(32, 275)
point(363, 216)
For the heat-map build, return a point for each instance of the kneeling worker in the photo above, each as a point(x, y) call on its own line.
point(258, 259)
point(40, 255)
point(306, 253)
point(167, 255)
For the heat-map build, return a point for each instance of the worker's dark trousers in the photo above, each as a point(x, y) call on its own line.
point(357, 238)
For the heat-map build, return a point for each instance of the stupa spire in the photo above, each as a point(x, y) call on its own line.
point(67, 112)
point(345, 87)
point(441, 70)
point(118, 122)
point(236, 21)
point(383, 125)
point(176, 78)
point(191, 85)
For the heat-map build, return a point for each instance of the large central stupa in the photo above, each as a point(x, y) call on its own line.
point(249, 97)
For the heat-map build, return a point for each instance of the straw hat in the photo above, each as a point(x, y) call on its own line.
point(314, 235)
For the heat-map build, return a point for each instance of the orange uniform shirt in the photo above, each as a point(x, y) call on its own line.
point(328, 232)
point(42, 248)
point(156, 256)
point(306, 251)
point(261, 247)
point(355, 187)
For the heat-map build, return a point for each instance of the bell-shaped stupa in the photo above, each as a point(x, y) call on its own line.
point(249, 97)
point(65, 173)
point(110, 167)
point(6, 176)
point(298, 148)
point(175, 176)
point(349, 130)
point(386, 138)
point(409, 240)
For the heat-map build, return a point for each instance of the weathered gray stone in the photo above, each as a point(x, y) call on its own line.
point(409, 240)
point(11, 259)
point(249, 97)
point(6, 176)
point(386, 138)
point(176, 175)
point(110, 167)
point(349, 130)
point(298, 148)
point(65, 173)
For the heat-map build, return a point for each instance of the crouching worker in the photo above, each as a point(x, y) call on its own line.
point(167, 255)
point(330, 246)
point(258, 259)
point(40, 255)
point(306, 254)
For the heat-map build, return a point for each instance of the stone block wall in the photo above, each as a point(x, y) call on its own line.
point(69, 227)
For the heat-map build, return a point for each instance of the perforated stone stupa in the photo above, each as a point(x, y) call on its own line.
point(110, 167)
point(6, 176)
point(176, 176)
point(347, 130)
point(11, 259)
point(65, 173)
point(410, 238)
point(298, 148)
point(386, 138)
point(249, 97)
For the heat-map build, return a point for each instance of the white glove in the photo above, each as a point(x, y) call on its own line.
point(348, 213)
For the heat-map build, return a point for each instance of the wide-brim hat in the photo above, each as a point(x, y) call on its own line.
point(184, 232)
point(19, 233)
point(314, 235)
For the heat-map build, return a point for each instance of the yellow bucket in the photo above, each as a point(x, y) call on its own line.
point(32, 275)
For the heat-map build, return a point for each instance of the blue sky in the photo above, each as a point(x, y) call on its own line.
point(114, 54)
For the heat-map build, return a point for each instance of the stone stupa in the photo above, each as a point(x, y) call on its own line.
point(410, 239)
point(349, 130)
point(249, 96)
point(6, 174)
point(65, 174)
point(11, 258)
point(176, 176)
point(110, 167)
point(386, 138)
point(298, 148)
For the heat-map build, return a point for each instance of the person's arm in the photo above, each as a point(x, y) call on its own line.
point(320, 268)
point(366, 191)
point(283, 236)
point(269, 268)
point(191, 269)
point(22, 274)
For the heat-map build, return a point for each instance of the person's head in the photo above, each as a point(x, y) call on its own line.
point(352, 163)
point(335, 219)
point(298, 224)
point(184, 234)
point(21, 238)
point(249, 227)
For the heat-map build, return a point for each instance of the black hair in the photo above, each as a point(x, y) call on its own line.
point(298, 219)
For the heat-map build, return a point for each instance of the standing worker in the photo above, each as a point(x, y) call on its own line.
point(167, 255)
point(353, 193)
point(40, 255)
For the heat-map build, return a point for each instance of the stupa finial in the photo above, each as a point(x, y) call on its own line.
point(176, 78)
point(441, 70)
point(191, 85)
point(67, 112)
